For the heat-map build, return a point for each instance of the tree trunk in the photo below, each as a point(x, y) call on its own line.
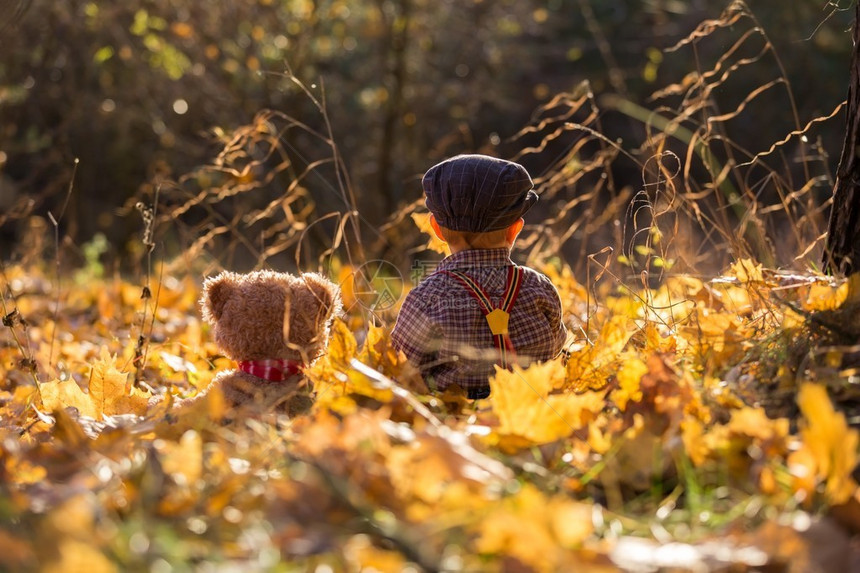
point(842, 250)
point(396, 49)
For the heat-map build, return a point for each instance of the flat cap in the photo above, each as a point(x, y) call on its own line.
point(478, 193)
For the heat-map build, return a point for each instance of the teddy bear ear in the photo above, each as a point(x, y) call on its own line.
point(325, 293)
point(216, 291)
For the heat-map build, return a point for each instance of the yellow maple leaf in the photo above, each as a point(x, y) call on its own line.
point(111, 391)
point(591, 366)
point(655, 341)
point(23, 471)
point(831, 297)
point(534, 529)
point(378, 353)
point(70, 527)
point(713, 327)
point(598, 441)
point(729, 444)
point(422, 221)
point(428, 470)
point(801, 466)
point(519, 528)
point(629, 375)
point(173, 294)
point(754, 423)
point(183, 459)
point(15, 403)
point(733, 298)
point(672, 302)
point(825, 296)
point(716, 338)
point(831, 442)
point(77, 555)
point(746, 271)
point(792, 320)
point(342, 346)
point(571, 521)
point(346, 282)
point(59, 394)
point(528, 406)
point(681, 287)
point(692, 435)
point(419, 474)
point(335, 379)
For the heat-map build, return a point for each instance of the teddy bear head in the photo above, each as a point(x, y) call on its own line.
point(269, 315)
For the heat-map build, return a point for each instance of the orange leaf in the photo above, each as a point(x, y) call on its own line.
point(59, 394)
point(747, 271)
point(182, 460)
point(535, 530)
point(590, 367)
point(527, 407)
point(422, 221)
point(831, 442)
point(110, 390)
point(629, 375)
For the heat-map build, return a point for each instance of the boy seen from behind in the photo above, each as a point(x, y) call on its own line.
point(478, 309)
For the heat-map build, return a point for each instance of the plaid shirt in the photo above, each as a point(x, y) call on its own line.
point(442, 329)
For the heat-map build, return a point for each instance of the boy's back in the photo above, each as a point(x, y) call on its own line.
point(478, 309)
point(442, 329)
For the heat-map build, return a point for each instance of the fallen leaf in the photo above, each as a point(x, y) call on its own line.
point(831, 442)
point(422, 221)
point(528, 407)
point(629, 375)
point(747, 271)
point(59, 394)
point(591, 366)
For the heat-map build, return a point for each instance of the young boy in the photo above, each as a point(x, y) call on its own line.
point(478, 308)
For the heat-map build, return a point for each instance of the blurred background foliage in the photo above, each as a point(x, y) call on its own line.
point(162, 101)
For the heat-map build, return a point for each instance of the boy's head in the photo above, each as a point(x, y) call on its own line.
point(477, 194)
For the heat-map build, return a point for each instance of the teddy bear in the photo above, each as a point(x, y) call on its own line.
point(273, 325)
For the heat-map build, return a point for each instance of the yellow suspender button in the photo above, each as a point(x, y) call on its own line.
point(498, 321)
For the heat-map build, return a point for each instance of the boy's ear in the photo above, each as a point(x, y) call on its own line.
point(513, 231)
point(216, 291)
point(436, 229)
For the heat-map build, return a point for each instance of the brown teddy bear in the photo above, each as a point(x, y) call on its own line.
point(273, 324)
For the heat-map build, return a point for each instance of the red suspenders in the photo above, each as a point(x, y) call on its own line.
point(497, 317)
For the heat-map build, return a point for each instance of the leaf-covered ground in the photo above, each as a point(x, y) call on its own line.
point(703, 425)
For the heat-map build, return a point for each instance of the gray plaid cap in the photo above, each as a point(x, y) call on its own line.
point(478, 193)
